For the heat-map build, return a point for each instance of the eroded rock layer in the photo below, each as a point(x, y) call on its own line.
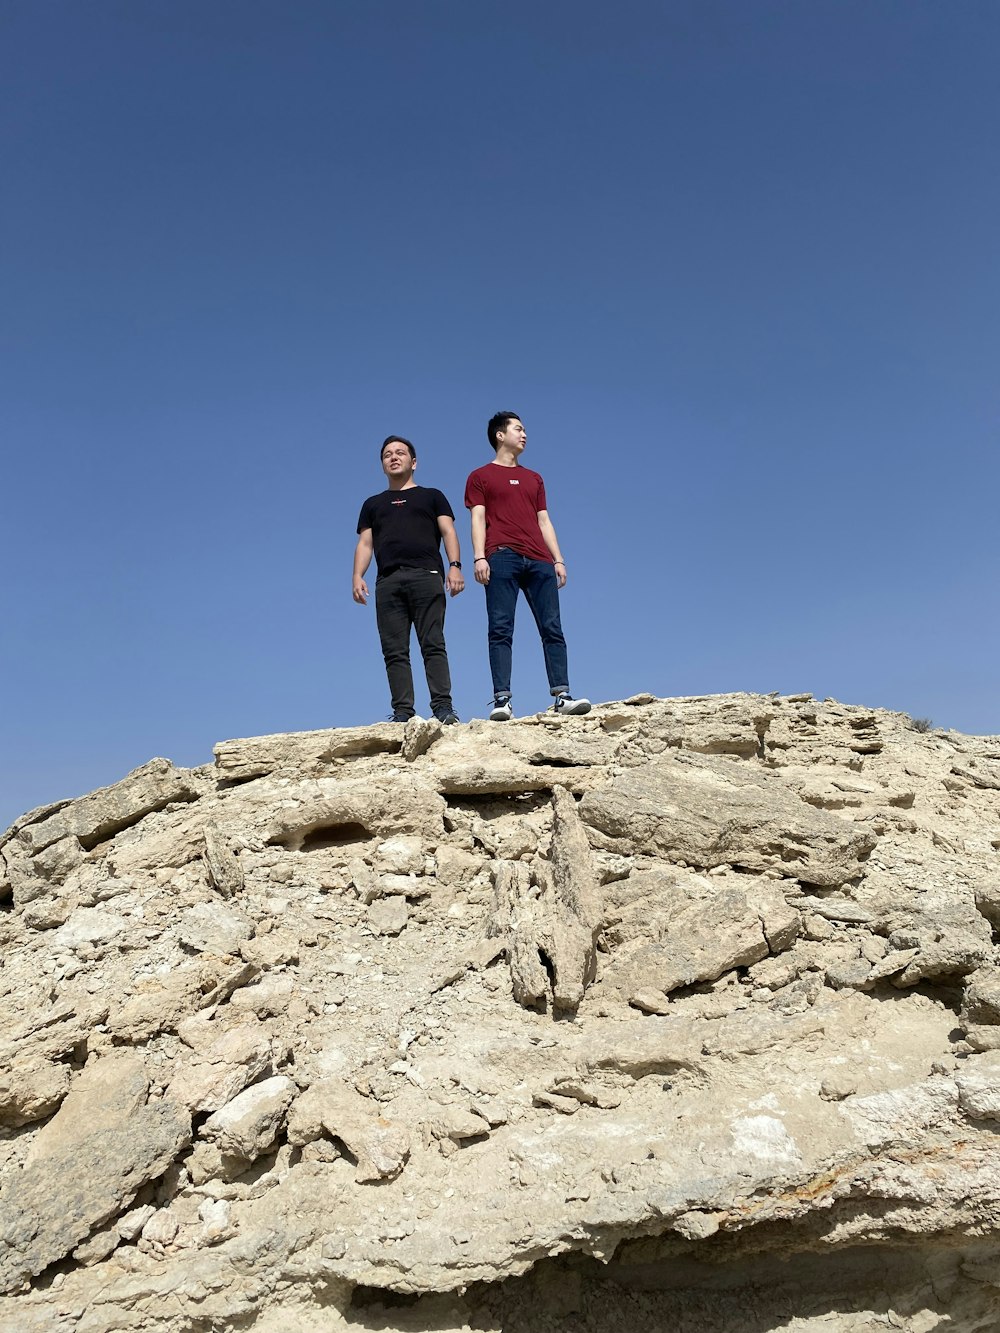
point(682, 1014)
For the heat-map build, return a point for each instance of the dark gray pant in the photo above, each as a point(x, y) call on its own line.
point(405, 599)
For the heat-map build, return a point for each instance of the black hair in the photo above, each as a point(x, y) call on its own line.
point(398, 439)
point(499, 422)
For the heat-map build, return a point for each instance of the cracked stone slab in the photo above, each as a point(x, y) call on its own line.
point(713, 812)
point(85, 1166)
point(105, 812)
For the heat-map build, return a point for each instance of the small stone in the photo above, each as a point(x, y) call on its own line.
point(400, 855)
point(130, 1224)
point(214, 1214)
point(650, 1002)
point(979, 1095)
point(98, 1246)
point(162, 1227)
point(816, 927)
point(982, 1039)
point(388, 916)
point(405, 886)
point(697, 1225)
point(837, 1087)
point(853, 972)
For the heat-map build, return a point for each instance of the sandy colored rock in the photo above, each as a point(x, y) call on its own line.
point(679, 1014)
point(214, 928)
point(709, 812)
point(388, 916)
point(380, 1146)
point(304, 751)
point(249, 1124)
point(213, 1076)
point(222, 861)
point(31, 1091)
point(97, 817)
point(85, 1166)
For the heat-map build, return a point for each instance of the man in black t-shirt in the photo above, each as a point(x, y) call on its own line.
point(404, 527)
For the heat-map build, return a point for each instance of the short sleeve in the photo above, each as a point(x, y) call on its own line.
point(475, 491)
point(442, 509)
point(365, 517)
point(540, 502)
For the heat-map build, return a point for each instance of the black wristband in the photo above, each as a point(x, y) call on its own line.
point(478, 558)
point(456, 564)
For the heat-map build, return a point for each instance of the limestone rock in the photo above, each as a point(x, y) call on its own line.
point(419, 735)
point(97, 817)
point(59, 859)
point(249, 1124)
point(379, 1145)
point(215, 1075)
point(89, 926)
point(709, 813)
point(551, 925)
point(222, 861)
point(31, 1091)
point(705, 936)
point(85, 1166)
point(214, 928)
point(388, 916)
point(683, 1013)
point(979, 1088)
point(305, 751)
point(982, 997)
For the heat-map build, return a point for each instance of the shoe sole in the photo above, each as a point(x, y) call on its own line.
point(497, 716)
point(572, 712)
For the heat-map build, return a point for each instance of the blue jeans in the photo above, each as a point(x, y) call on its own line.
point(511, 573)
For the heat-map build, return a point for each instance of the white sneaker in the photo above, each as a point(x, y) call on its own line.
point(570, 707)
point(502, 711)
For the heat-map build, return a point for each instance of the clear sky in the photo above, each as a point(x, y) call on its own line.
point(733, 261)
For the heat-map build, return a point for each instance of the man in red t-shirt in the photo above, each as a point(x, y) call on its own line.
point(516, 550)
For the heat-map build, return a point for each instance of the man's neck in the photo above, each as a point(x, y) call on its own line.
point(506, 457)
point(395, 485)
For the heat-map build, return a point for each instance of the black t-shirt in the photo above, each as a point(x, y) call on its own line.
point(404, 528)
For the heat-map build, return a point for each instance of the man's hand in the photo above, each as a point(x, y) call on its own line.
point(454, 581)
point(482, 572)
point(361, 592)
point(560, 574)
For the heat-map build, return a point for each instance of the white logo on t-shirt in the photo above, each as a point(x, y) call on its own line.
point(513, 481)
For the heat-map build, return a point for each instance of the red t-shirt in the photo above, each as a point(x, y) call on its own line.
point(512, 497)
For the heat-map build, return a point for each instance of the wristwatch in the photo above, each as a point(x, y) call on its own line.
point(456, 564)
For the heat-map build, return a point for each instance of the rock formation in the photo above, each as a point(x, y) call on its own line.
point(683, 1015)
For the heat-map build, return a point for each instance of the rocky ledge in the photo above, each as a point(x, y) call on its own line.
point(683, 1014)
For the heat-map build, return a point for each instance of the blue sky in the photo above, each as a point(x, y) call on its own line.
point(733, 261)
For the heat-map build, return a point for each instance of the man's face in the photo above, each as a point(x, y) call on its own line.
point(396, 461)
point(514, 437)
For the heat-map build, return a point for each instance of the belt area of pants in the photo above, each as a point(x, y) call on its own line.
point(394, 569)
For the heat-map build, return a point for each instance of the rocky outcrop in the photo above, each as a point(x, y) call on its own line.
point(682, 1014)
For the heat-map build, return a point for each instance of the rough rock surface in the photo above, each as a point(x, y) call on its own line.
point(685, 1014)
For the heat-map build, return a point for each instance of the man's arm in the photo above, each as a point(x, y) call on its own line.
point(552, 542)
point(454, 579)
point(481, 568)
point(362, 559)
